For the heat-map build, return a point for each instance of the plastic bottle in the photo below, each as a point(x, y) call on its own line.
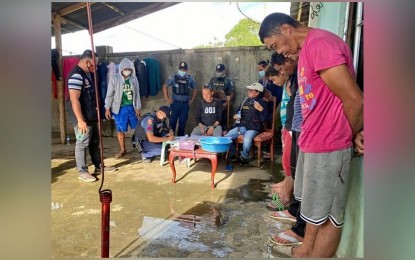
point(238, 120)
point(68, 140)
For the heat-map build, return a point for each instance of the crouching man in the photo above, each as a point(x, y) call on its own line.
point(152, 131)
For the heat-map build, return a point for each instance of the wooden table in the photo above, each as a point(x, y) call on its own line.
point(198, 153)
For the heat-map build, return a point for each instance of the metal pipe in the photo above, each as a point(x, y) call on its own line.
point(105, 198)
point(357, 35)
point(346, 21)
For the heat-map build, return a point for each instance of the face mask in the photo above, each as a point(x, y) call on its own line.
point(261, 73)
point(219, 74)
point(181, 73)
point(126, 73)
point(90, 67)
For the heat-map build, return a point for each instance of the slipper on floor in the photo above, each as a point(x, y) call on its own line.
point(292, 241)
point(276, 205)
point(272, 196)
point(279, 215)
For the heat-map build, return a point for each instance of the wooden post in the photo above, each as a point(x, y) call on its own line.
point(61, 97)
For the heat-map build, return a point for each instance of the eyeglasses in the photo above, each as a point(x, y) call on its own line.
point(250, 90)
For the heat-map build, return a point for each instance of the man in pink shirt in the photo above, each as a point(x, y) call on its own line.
point(332, 109)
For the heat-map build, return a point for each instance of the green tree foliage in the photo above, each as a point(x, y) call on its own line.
point(244, 33)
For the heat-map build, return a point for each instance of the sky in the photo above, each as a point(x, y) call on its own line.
point(185, 25)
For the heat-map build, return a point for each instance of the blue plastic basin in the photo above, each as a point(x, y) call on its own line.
point(215, 144)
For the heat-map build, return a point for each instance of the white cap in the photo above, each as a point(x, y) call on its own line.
point(256, 86)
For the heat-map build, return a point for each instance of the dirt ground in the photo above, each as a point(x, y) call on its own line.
point(152, 217)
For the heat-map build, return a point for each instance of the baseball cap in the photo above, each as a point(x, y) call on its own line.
point(166, 110)
point(220, 67)
point(183, 65)
point(256, 86)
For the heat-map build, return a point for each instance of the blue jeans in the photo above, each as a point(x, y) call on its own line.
point(151, 149)
point(180, 111)
point(249, 136)
point(89, 141)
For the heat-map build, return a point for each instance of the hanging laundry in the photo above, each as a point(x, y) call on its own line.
point(112, 70)
point(55, 72)
point(142, 75)
point(102, 72)
point(68, 64)
point(153, 72)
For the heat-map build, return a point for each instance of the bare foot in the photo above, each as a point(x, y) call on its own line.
point(278, 189)
point(285, 199)
point(120, 154)
point(300, 252)
point(275, 185)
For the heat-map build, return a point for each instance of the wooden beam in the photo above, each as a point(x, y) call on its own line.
point(70, 9)
point(113, 8)
point(61, 103)
point(67, 20)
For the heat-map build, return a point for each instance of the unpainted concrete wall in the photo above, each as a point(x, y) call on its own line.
point(240, 62)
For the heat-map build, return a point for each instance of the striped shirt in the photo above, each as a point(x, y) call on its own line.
point(298, 117)
point(75, 82)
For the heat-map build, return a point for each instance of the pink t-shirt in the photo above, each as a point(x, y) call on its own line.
point(325, 127)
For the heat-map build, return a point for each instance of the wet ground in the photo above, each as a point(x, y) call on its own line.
point(152, 217)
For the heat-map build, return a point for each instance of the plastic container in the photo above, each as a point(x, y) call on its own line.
point(215, 144)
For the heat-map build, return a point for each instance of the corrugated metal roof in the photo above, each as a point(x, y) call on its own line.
point(104, 14)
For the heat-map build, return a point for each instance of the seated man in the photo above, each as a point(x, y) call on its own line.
point(208, 115)
point(253, 113)
point(152, 132)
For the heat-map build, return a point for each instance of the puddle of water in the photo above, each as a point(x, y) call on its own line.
point(256, 190)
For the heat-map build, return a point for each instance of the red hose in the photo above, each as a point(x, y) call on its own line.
point(104, 195)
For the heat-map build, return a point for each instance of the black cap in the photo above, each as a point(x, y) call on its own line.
point(183, 66)
point(166, 110)
point(220, 67)
point(263, 62)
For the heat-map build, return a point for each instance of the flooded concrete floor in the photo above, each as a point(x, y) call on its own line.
point(152, 217)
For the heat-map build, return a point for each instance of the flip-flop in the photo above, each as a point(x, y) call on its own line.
point(292, 240)
point(276, 205)
point(279, 215)
point(272, 196)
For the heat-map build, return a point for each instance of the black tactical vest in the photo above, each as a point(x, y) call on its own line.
point(87, 98)
point(160, 128)
point(181, 85)
point(250, 118)
point(218, 83)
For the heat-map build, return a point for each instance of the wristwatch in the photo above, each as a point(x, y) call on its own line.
point(214, 126)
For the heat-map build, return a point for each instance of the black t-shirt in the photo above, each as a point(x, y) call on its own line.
point(208, 113)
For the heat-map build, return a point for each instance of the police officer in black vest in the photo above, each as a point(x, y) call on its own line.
point(82, 112)
point(180, 101)
point(224, 89)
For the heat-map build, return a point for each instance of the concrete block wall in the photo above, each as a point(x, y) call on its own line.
point(240, 62)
